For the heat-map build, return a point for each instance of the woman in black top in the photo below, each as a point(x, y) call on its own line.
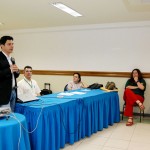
point(134, 94)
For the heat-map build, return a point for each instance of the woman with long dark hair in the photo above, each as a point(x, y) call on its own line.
point(134, 94)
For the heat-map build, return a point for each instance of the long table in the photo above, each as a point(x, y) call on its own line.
point(60, 118)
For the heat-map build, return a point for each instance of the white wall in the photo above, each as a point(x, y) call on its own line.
point(108, 47)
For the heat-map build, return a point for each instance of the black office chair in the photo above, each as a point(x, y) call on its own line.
point(135, 105)
point(65, 88)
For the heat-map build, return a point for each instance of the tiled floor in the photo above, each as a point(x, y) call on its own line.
point(117, 137)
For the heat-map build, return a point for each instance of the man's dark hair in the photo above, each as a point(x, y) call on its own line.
point(3, 39)
point(27, 67)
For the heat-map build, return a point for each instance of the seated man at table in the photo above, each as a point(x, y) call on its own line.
point(76, 83)
point(28, 85)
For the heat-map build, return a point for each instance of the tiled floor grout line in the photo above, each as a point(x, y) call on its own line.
point(109, 136)
point(131, 136)
point(114, 129)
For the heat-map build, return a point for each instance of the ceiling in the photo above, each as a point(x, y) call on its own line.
point(28, 14)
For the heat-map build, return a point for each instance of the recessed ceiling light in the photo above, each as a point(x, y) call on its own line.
point(1, 23)
point(67, 9)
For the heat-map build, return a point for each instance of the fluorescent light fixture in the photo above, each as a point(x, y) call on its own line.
point(1, 23)
point(67, 9)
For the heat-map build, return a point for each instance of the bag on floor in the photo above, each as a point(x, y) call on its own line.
point(46, 89)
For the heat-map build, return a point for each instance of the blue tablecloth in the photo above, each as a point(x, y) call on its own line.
point(11, 137)
point(67, 119)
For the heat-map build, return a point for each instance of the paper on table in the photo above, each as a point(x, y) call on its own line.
point(66, 94)
point(102, 88)
point(79, 93)
point(86, 90)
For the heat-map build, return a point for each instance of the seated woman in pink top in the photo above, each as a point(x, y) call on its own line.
point(76, 83)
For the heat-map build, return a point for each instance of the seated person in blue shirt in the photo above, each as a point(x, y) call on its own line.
point(76, 83)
